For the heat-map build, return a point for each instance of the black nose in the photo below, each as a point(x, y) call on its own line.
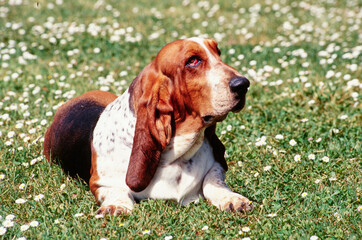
point(239, 84)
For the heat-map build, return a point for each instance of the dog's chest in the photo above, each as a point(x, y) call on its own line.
point(181, 179)
point(182, 167)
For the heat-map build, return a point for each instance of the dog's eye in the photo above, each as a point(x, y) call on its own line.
point(193, 61)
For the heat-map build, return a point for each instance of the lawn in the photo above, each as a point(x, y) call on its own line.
point(295, 150)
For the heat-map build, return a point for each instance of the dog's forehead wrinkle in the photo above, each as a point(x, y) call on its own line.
point(201, 42)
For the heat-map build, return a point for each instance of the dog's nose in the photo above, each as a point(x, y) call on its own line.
point(239, 84)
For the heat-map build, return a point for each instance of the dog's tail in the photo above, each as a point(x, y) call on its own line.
point(68, 138)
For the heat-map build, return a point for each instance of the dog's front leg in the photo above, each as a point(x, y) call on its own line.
point(219, 194)
point(112, 200)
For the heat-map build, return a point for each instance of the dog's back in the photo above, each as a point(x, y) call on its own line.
point(67, 140)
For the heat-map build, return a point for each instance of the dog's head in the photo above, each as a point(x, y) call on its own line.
point(186, 82)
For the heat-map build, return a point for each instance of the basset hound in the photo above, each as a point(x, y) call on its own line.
point(157, 140)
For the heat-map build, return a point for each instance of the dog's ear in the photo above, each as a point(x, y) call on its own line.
point(153, 130)
point(217, 147)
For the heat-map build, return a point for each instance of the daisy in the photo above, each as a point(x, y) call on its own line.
point(311, 156)
point(297, 158)
point(10, 217)
point(147, 231)
point(8, 223)
point(2, 231)
point(267, 168)
point(279, 137)
point(314, 237)
point(245, 229)
point(78, 214)
point(20, 201)
point(205, 228)
point(304, 194)
point(34, 223)
point(38, 197)
point(317, 181)
point(168, 237)
point(24, 227)
point(292, 142)
point(325, 159)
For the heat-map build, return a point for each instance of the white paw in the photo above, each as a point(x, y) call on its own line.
point(236, 203)
point(113, 210)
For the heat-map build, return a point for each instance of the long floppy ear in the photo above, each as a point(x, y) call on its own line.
point(153, 131)
point(217, 147)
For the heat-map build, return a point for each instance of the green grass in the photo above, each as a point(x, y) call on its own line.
point(304, 62)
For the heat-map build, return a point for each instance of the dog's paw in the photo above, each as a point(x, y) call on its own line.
point(237, 203)
point(113, 210)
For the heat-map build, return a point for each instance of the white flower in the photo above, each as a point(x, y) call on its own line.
point(78, 214)
point(20, 201)
point(38, 197)
point(272, 215)
point(246, 238)
point(325, 159)
point(8, 223)
point(279, 137)
point(24, 227)
point(34, 223)
point(57, 221)
point(343, 117)
point(62, 187)
point(229, 127)
point(10, 217)
point(304, 194)
point(267, 168)
point(205, 228)
point(311, 156)
point(292, 142)
point(96, 50)
point(314, 237)
point(168, 237)
point(359, 208)
point(2, 231)
point(99, 216)
point(318, 140)
point(297, 158)
point(2, 176)
point(146, 232)
point(317, 181)
point(245, 229)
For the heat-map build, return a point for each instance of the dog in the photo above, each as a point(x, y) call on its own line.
point(157, 140)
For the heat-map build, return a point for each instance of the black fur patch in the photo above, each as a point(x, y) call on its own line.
point(72, 135)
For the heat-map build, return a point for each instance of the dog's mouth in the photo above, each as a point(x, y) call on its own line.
point(240, 101)
point(239, 105)
point(210, 119)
